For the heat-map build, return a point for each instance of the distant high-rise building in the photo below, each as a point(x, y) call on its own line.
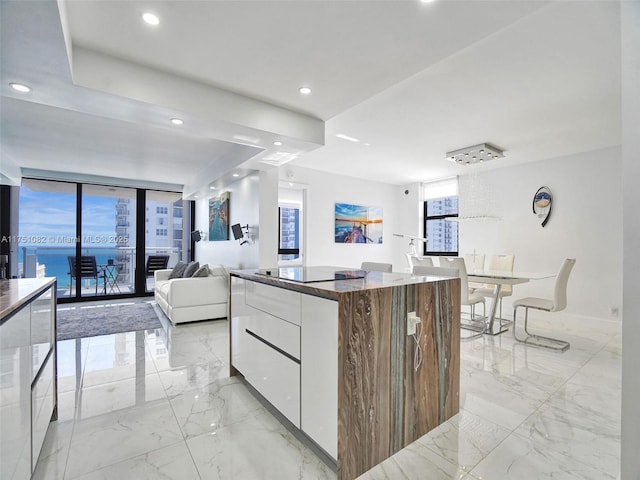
point(442, 234)
point(164, 229)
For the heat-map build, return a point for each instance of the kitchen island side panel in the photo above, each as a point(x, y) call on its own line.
point(431, 393)
point(384, 403)
point(364, 381)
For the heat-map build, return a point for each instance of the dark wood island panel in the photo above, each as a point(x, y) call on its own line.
point(384, 403)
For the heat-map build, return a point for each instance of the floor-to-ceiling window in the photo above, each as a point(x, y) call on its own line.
point(94, 238)
point(108, 239)
point(47, 231)
point(167, 229)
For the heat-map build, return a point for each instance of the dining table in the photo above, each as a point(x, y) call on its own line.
point(500, 278)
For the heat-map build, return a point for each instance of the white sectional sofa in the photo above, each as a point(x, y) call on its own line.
point(191, 299)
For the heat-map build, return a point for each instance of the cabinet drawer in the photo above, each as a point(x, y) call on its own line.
point(274, 301)
point(282, 334)
point(41, 330)
point(275, 376)
point(42, 408)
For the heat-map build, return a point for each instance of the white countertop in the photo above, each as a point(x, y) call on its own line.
point(16, 293)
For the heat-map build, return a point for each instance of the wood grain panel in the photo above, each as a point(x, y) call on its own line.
point(364, 332)
point(384, 403)
point(431, 393)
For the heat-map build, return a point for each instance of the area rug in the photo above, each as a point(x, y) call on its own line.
point(93, 320)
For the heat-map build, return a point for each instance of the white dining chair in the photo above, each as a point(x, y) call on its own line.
point(467, 297)
point(376, 267)
point(417, 260)
point(498, 263)
point(474, 262)
point(555, 304)
point(438, 271)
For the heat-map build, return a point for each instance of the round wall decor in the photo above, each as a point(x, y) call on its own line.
point(542, 204)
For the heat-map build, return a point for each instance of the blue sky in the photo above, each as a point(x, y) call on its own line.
point(46, 216)
point(346, 210)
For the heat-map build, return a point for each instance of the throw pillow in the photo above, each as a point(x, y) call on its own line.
point(178, 270)
point(218, 271)
point(191, 269)
point(203, 271)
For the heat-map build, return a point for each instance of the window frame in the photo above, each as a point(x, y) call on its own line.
point(427, 217)
point(287, 251)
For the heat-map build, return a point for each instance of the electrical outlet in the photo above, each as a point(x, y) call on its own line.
point(613, 311)
point(412, 321)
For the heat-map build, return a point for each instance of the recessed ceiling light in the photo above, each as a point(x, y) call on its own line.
point(176, 121)
point(277, 143)
point(19, 87)
point(212, 188)
point(304, 90)
point(150, 19)
point(235, 175)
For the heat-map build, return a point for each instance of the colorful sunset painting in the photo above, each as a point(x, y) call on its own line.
point(358, 224)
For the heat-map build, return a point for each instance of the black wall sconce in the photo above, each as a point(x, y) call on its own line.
point(239, 232)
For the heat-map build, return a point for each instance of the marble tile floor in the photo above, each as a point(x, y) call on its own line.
point(159, 404)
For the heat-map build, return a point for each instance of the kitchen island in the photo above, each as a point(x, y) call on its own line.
point(28, 363)
point(329, 348)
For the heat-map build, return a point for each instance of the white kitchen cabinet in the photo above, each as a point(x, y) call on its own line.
point(278, 302)
point(15, 398)
point(319, 372)
point(276, 377)
point(286, 345)
point(266, 348)
point(28, 386)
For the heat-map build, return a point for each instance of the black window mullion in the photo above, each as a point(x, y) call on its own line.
point(141, 218)
point(78, 240)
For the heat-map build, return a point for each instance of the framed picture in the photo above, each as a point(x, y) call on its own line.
point(358, 224)
point(219, 217)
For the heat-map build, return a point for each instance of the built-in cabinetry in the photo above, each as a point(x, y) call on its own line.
point(28, 398)
point(335, 358)
point(286, 346)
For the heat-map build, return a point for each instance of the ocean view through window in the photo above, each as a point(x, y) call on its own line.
point(49, 238)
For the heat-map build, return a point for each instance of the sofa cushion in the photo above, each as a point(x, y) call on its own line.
point(203, 271)
point(191, 269)
point(218, 271)
point(162, 288)
point(178, 270)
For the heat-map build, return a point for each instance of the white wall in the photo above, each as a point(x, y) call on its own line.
point(585, 224)
point(630, 23)
point(324, 190)
point(243, 209)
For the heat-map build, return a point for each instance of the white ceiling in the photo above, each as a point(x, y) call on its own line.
point(413, 80)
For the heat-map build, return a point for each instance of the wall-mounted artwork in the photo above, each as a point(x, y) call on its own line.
point(542, 204)
point(219, 217)
point(358, 224)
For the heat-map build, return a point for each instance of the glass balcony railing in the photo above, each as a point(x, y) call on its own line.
point(115, 268)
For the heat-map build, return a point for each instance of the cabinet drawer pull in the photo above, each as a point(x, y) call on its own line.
point(269, 344)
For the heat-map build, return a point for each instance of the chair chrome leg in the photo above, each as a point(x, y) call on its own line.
point(537, 340)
